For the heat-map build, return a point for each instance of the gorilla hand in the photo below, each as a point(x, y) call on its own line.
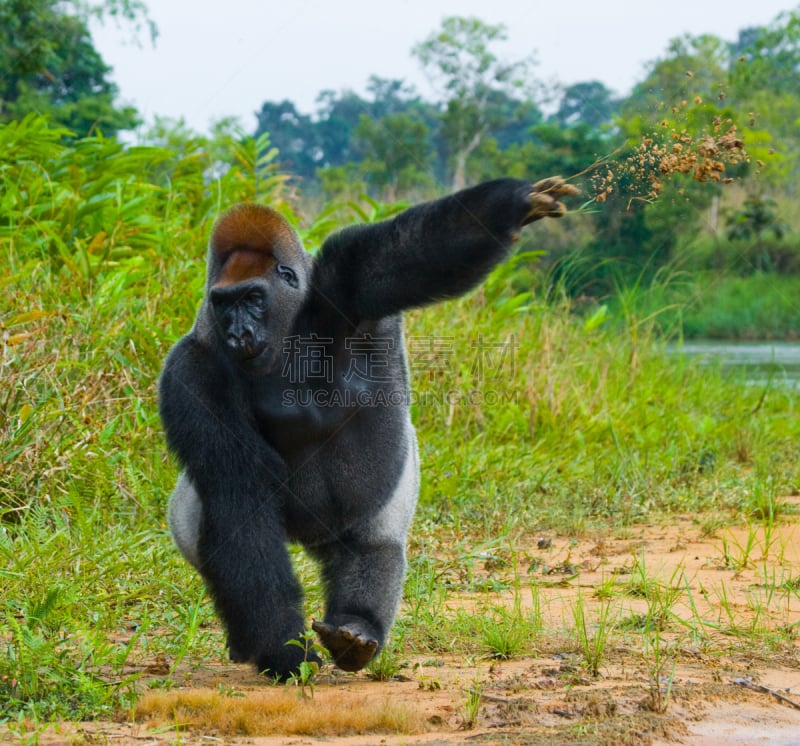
point(544, 199)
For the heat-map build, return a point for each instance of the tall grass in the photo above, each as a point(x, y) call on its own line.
point(719, 305)
point(102, 268)
point(525, 411)
point(583, 421)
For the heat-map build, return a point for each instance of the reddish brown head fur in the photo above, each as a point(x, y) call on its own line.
point(247, 242)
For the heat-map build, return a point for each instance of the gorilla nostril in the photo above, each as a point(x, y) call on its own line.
point(242, 345)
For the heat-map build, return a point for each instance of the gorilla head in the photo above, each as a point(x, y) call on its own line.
point(258, 276)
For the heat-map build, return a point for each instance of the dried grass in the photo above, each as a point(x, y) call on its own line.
point(274, 711)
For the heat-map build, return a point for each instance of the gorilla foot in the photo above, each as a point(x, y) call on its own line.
point(544, 198)
point(283, 664)
point(280, 663)
point(351, 646)
point(235, 655)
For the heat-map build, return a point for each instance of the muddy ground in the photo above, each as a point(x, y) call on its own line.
point(733, 679)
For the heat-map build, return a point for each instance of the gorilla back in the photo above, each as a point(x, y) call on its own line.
point(287, 407)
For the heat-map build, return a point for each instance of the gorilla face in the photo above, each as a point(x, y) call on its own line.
point(252, 318)
point(241, 313)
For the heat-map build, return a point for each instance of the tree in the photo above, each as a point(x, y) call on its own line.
point(310, 144)
point(769, 58)
point(757, 217)
point(339, 114)
point(391, 96)
point(765, 74)
point(462, 65)
point(397, 154)
point(512, 119)
point(50, 66)
point(693, 66)
point(589, 103)
point(548, 148)
point(133, 12)
point(294, 134)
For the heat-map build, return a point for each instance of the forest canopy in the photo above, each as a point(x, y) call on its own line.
point(493, 116)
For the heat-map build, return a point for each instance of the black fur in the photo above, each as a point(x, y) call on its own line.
point(273, 455)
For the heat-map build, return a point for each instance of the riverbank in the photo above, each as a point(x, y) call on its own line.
point(713, 305)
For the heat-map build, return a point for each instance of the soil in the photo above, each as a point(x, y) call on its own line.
point(738, 683)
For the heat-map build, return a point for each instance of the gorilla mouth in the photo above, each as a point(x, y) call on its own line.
point(258, 361)
point(251, 351)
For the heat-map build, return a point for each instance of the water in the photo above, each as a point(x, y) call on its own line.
point(759, 361)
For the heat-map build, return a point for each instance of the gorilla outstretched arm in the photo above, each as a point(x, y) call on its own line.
point(432, 251)
point(240, 482)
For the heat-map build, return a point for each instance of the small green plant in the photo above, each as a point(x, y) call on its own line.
point(227, 690)
point(425, 597)
point(307, 671)
point(429, 683)
point(535, 617)
point(593, 643)
point(737, 555)
point(764, 503)
point(386, 664)
point(659, 659)
point(192, 617)
point(660, 596)
point(697, 626)
point(710, 525)
point(506, 632)
point(607, 588)
point(471, 707)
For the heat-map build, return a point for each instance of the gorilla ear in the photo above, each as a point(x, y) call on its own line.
point(288, 275)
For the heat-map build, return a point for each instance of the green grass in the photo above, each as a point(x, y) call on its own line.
point(593, 639)
point(719, 305)
point(761, 306)
point(528, 416)
point(585, 425)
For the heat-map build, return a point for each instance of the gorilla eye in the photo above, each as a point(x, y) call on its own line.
point(288, 275)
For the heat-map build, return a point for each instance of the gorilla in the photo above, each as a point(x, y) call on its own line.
point(286, 405)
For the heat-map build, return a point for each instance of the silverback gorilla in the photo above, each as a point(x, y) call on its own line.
point(281, 434)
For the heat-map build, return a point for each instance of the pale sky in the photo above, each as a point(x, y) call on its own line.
point(215, 59)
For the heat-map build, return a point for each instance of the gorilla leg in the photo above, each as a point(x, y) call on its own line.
point(184, 515)
point(364, 584)
point(250, 576)
point(247, 568)
point(226, 512)
point(363, 573)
